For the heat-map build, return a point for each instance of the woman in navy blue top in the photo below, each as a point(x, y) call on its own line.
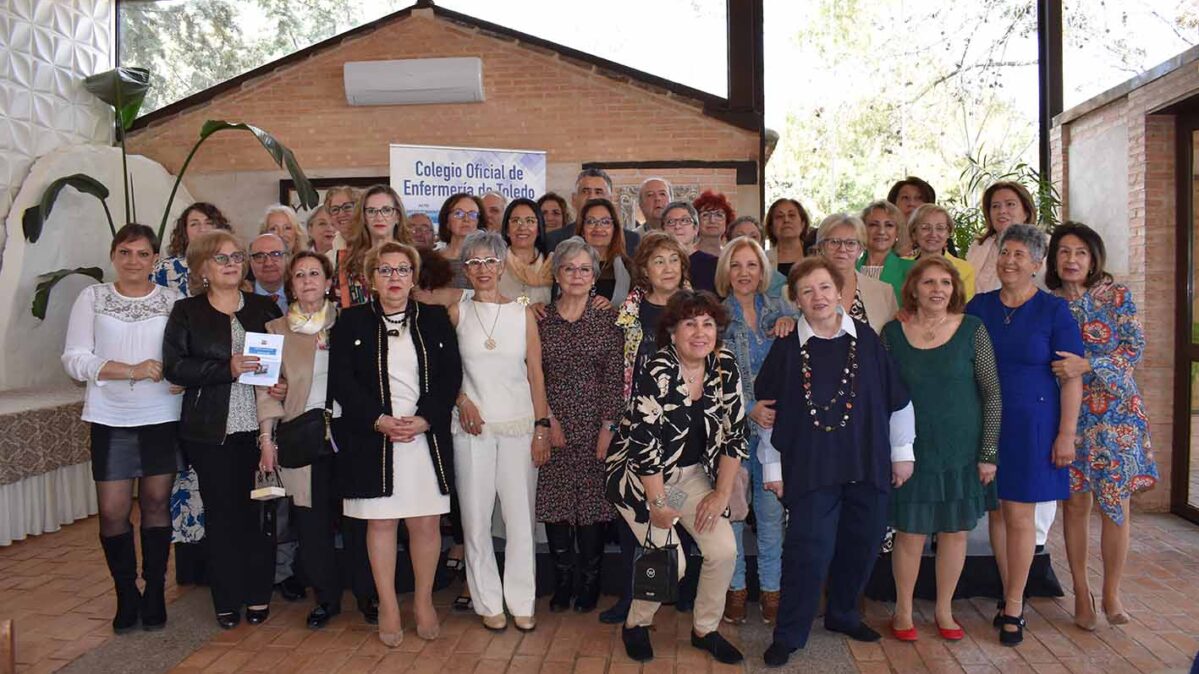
point(1029, 329)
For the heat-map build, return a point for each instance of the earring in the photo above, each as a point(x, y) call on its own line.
point(205, 279)
point(591, 292)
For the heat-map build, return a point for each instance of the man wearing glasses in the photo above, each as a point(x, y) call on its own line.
point(268, 260)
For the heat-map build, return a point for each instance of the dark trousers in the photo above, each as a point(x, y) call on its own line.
point(833, 532)
point(241, 552)
point(315, 529)
point(353, 539)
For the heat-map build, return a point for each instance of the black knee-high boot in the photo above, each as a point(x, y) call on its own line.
point(121, 555)
point(156, 548)
point(561, 544)
point(591, 556)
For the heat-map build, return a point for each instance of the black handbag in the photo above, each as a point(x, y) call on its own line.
point(656, 570)
point(306, 438)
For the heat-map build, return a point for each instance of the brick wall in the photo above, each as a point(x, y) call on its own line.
point(1153, 239)
point(534, 100)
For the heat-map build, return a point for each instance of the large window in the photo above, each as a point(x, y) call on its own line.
point(1105, 42)
point(865, 92)
point(191, 45)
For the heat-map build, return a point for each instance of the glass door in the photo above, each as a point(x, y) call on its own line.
point(1185, 483)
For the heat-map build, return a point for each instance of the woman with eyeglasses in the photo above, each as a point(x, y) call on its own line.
point(581, 360)
point(378, 217)
point(840, 239)
point(340, 201)
point(529, 274)
point(715, 214)
point(460, 215)
point(202, 352)
point(600, 227)
point(395, 372)
point(931, 229)
point(680, 220)
point(501, 433)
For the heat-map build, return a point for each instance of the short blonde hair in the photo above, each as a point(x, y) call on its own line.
point(201, 250)
point(726, 259)
point(300, 242)
point(922, 212)
point(838, 219)
point(387, 247)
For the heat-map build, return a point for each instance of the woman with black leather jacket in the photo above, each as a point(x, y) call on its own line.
point(202, 347)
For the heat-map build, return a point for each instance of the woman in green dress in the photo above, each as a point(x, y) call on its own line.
point(946, 360)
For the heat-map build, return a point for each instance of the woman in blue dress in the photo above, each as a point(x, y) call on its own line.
point(1029, 329)
point(1115, 457)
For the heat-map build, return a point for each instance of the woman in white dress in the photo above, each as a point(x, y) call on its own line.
point(394, 460)
point(501, 433)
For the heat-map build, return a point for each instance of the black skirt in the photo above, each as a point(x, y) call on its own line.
point(120, 453)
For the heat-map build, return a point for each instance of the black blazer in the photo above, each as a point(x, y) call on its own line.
point(196, 349)
point(359, 381)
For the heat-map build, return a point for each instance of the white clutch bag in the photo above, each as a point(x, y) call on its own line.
point(267, 486)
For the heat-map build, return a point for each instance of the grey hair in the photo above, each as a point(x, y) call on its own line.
point(594, 173)
point(1029, 235)
point(641, 189)
point(681, 204)
point(569, 249)
point(745, 218)
point(483, 238)
point(268, 235)
point(838, 219)
point(490, 193)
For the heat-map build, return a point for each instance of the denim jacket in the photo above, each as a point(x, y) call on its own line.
point(737, 336)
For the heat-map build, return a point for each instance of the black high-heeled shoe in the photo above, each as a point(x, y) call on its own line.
point(997, 621)
point(1011, 638)
point(257, 616)
point(228, 620)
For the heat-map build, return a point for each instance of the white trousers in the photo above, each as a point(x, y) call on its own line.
point(487, 466)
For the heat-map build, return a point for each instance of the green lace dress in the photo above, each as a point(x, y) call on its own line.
point(955, 392)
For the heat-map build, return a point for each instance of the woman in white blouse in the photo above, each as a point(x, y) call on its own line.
point(114, 344)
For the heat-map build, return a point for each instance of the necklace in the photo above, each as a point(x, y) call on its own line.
point(1008, 314)
point(931, 333)
point(688, 376)
point(488, 343)
point(402, 322)
point(845, 395)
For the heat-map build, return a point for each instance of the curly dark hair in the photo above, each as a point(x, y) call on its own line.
point(686, 304)
point(178, 244)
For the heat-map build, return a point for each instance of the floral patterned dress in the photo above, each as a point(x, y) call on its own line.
point(583, 378)
point(1115, 456)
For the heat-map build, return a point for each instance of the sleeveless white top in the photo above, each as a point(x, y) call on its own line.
point(495, 379)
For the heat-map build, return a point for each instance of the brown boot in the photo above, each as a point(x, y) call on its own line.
point(734, 606)
point(770, 606)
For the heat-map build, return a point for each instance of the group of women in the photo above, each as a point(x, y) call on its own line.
point(841, 383)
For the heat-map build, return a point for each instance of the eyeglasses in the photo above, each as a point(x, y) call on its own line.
point(600, 223)
point(311, 273)
point(387, 271)
point(928, 229)
point(274, 255)
point(347, 207)
point(223, 259)
point(473, 216)
point(680, 222)
point(847, 244)
point(712, 216)
point(582, 270)
point(482, 262)
point(527, 222)
point(386, 211)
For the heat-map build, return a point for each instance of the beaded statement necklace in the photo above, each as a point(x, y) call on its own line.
point(843, 398)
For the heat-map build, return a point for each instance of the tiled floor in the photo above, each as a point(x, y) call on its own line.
point(57, 590)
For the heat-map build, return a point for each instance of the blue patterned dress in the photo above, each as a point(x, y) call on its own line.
point(187, 510)
point(1114, 450)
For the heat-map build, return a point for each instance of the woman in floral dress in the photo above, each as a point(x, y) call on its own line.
point(1115, 457)
point(581, 357)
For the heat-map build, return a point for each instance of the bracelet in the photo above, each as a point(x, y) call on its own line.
point(658, 503)
point(131, 369)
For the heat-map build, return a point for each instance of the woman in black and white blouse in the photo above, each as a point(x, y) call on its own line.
point(684, 431)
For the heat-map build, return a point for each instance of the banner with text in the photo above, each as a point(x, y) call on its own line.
point(424, 175)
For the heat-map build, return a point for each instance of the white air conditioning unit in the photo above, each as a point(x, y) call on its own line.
point(414, 81)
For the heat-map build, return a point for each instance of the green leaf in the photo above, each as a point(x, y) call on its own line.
point(122, 88)
point(34, 218)
point(46, 282)
point(283, 157)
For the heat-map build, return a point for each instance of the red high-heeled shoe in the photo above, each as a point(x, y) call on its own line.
point(951, 634)
point(908, 635)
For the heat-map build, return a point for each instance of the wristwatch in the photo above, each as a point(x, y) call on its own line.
point(658, 503)
point(543, 422)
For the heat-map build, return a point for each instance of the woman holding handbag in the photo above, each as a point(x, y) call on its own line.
point(395, 370)
point(675, 459)
point(305, 462)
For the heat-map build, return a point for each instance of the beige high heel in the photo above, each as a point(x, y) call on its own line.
point(1091, 624)
point(392, 639)
point(429, 634)
point(1120, 618)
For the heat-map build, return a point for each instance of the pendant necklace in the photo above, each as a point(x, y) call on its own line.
point(402, 322)
point(931, 333)
point(488, 343)
point(1008, 314)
